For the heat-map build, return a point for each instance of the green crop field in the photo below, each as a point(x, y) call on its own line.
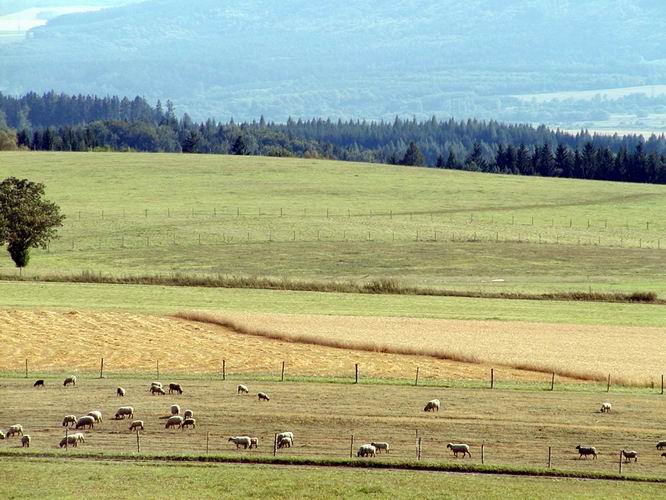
point(309, 219)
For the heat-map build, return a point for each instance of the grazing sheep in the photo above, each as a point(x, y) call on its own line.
point(244, 441)
point(16, 429)
point(254, 443)
point(155, 384)
point(84, 422)
point(286, 434)
point(70, 380)
point(124, 411)
point(366, 450)
point(585, 451)
point(175, 388)
point(661, 445)
point(242, 389)
point(432, 405)
point(459, 448)
point(188, 414)
point(69, 419)
point(97, 415)
point(154, 389)
point(2, 435)
point(39, 383)
point(606, 407)
point(136, 424)
point(263, 396)
point(189, 422)
point(628, 455)
point(120, 392)
point(25, 441)
point(174, 421)
point(175, 409)
point(69, 441)
point(284, 442)
point(80, 438)
point(381, 446)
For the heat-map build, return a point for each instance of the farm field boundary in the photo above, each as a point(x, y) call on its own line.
point(331, 462)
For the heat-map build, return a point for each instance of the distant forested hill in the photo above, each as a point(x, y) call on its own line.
point(367, 58)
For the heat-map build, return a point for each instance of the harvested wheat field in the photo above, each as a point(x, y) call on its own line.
point(75, 341)
point(632, 355)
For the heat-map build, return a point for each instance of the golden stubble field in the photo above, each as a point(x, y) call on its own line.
point(516, 427)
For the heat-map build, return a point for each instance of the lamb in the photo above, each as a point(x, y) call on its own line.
point(136, 424)
point(243, 441)
point(84, 422)
point(459, 448)
point(605, 407)
point(39, 383)
point(263, 396)
point(69, 419)
point(97, 415)
point(120, 392)
point(585, 451)
point(189, 422)
point(188, 414)
point(366, 450)
point(254, 442)
point(70, 380)
point(154, 389)
point(16, 429)
point(661, 445)
point(381, 446)
point(174, 421)
point(25, 441)
point(242, 389)
point(124, 411)
point(175, 409)
point(628, 455)
point(284, 442)
point(286, 434)
point(175, 388)
point(432, 405)
point(69, 441)
point(80, 438)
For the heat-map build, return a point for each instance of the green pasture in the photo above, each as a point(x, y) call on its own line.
point(170, 299)
point(310, 219)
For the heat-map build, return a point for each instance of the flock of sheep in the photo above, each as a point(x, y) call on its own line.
point(283, 440)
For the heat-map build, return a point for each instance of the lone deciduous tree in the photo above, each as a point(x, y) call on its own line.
point(27, 220)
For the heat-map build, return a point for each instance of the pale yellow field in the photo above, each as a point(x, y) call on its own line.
point(75, 341)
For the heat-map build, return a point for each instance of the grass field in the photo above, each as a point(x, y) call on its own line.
point(152, 480)
point(333, 220)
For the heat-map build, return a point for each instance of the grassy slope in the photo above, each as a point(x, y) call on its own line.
point(32, 479)
point(160, 299)
point(182, 192)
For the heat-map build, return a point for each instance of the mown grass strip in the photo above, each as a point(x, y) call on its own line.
point(385, 286)
point(332, 462)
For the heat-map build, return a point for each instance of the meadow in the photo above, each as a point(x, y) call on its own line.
point(312, 219)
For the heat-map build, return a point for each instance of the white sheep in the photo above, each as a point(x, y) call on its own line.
point(628, 455)
point(69, 419)
point(120, 392)
point(136, 424)
point(459, 448)
point(383, 446)
point(97, 415)
point(285, 442)
point(69, 441)
point(263, 396)
point(254, 442)
point(189, 422)
point(124, 411)
point(70, 380)
point(585, 451)
point(175, 409)
point(80, 438)
point(661, 445)
point(174, 421)
point(25, 441)
point(188, 414)
point(2, 435)
point(154, 389)
point(156, 384)
point(432, 405)
point(242, 389)
point(605, 407)
point(244, 441)
point(366, 450)
point(84, 422)
point(286, 434)
point(16, 429)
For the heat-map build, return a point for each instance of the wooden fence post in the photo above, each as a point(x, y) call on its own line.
point(662, 383)
point(282, 376)
point(207, 441)
point(66, 438)
point(26, 374)
point(351, 447)
point(416, 382)
point(483, 454)
point(275, 444)
point(620, 464)
point(419, 449)
point(356, 374)
point(550, 457)
point(492, 378)
point(138, 442)
point(101, 369)
point(224, 369)
point(608, 386)
point(552, 382)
